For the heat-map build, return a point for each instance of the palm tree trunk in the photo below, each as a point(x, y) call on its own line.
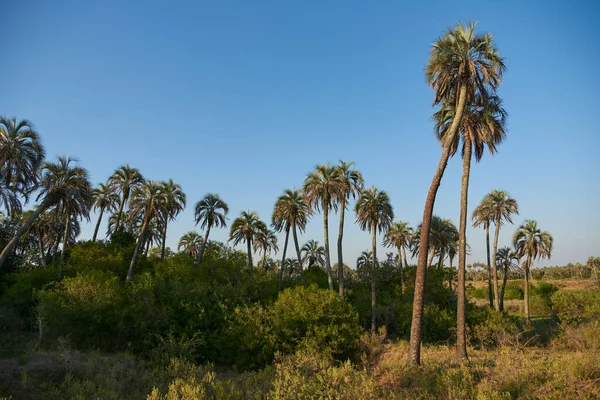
point(527, 267)
point(441, 260)
point(64, 249)
point(461, 317)
point(299, 256)
point(55, 251)
point(402, 285)
point(489, 264)
point(41, 249)
point(98, 224)
point(374, 245)
point(431, 255)
point(118, 224)
point(501, 300)
point(22, 229)
point(164, 241)
point(327, 259)
point(339, 249)
point(203, 245)
point(404, 254)
point(249, 241)
point(264, 258)
point(147, 244)
point(138, 246)
point(495, 267)
point(416, 328)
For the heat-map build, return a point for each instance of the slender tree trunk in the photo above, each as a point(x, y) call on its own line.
point(65, 242)
point(203, 245)
point(41, 247)
point(461, 312)
point(374, 245)
point(22, 229)
point(264, 258)
point(339, 248)
point(327, 258)
point(123, 200)
point(495, 267)
point(249, 242)
point(164, 241)
point(147, 244)
point(404, 254)
point(527, 268)
point(431, 255)
point(287, 236)
point(489, 265)
point(441, 260)
point(299, 256)
point(138, 246)
point(55, 251)
point(416, 329)
point(402, 286)
point(451, 274)
point(98, 224)
point(504, 279)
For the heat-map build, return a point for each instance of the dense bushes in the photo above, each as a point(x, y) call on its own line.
point(577, 306)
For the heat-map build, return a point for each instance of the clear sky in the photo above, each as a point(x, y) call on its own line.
point(243, 98)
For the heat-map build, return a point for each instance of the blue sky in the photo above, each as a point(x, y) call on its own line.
point(243, 98)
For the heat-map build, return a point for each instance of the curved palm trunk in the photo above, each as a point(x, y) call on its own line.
point(402, 286)
point(98, 224)
point(299, 256)
point(527, 267)
point(461, 317)
point(431, 255)
point(374, 245)
point(504, 279)
point(24, 228)
point(441, 260)
point(138, 246)
point(416, 329)
point(404, 254)
point(489, 264)
point(164, 241)
point(203, 247)
point(495, 267)
point(327, 259)
point(64, 249)
point(123, 200)
point(339, 249)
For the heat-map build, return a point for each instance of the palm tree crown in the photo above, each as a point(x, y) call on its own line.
point(190, 243)
point(373, 210)
point(530, 241)
point(290, 210)
point(211, 211)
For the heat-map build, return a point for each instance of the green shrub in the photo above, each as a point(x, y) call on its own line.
point(577, 306)
point(514, 291)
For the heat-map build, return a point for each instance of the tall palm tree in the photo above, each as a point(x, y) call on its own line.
point(461, 64)
point(247, 227)
point(482, 216)
point(210, 212)
point(190, 243)
point(21, 155)
point(147, 199)
point(104, 199)
point(374, 213)
point(265, 243)
point(503, 207)
point(506, 259)
point(290, 213)
point(123, 181)
point(174, 203)
point(313, 254)
point(350, 185)
point(322, 191)
point(62, 185)
point(533, 243)
point(398, 237)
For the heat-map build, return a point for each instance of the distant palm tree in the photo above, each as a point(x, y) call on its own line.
point(533, 243)
point(174, 203)
point(147, 199)
point(190, 243)
point(290, 213)
point(123, 181)
point(210, 212)
point(351, 184)
point(104, 199)
point(506, 259)
point(247, 227)
point(363, 263)
point(443, 235)
point(21, 156)
point(62, 185)
point(482, 216)
point(461, 64)
point(265, 243)
point(398, 237)
point(291, 265)
point(322, 191)
point(313, 254)
point(374, 213)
